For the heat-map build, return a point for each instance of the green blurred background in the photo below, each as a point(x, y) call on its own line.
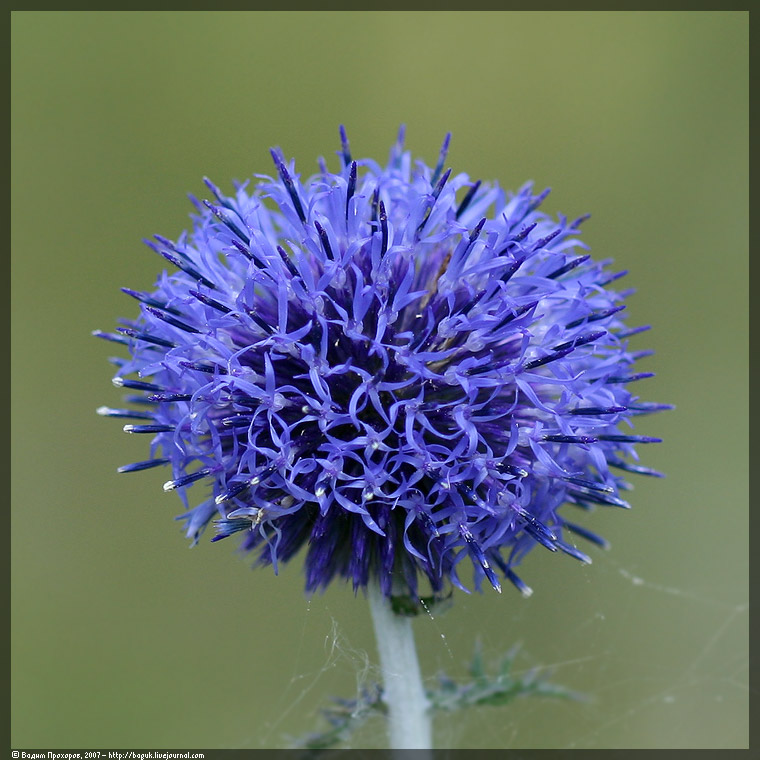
point(122, 636)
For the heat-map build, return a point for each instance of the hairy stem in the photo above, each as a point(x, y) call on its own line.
point(409, 725)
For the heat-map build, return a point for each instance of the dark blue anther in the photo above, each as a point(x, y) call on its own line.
point(208, 301)
point(512, 469)
point(597, 410)
point(217, 193)
point(441, 158)
point(590, 484)
point(523, 233)
point(111, 337)
point(289, 185)
point(476, 232)
point(249, 255)
point(467, 199)
point(436, 192)
point(209, 369)
point(244, 250)
point(325, 240)
point(511, 269)
point(477, 553)
point(537, 534)
point(472, 303)
point(147, 299)
point(237, 420)
point(468, 492)
point(146, 465)
point(510, 575)
point(383, 228)
point(286, 260)
point(619, 380)
point(536, 525)
point(596, 316)
point(581, 340)
point(264, 474)
point(148, 428)
point(187, 480)
point(146, 337)
point(518, 312)
point(351, 185)
point(255, 481)
point(227, 222)
point(137, 385)
point(597, 497)
point(259, 321)
point(375, 201)
point(172, 247)
point(557, 438)
point(172, 321)
point(544, 241)
point(633, 331)
point(534, 204)
point(170, 397)
point(192, 271)
point(233, 491)
point(568, 267)
point(548, 358)
point(441, 184)
point(571, 551)
point(579, 221)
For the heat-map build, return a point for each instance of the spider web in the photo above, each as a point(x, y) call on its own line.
point(679, 680)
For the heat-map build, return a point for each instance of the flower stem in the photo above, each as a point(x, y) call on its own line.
point(409, 725)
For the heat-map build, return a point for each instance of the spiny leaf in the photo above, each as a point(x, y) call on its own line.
point(347, 715)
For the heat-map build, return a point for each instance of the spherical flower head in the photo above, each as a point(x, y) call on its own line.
point(394, 367)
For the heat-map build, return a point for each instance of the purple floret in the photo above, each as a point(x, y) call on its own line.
point(395, 367)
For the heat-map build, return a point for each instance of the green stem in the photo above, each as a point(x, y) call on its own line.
point(409, 724)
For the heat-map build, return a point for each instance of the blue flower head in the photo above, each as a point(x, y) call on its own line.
point(394, 367)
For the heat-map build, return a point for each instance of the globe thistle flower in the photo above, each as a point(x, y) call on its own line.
point(395, 368)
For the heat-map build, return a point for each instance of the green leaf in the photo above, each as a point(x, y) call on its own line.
point(496, 690)
point(493, 690)
point(344, 717)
